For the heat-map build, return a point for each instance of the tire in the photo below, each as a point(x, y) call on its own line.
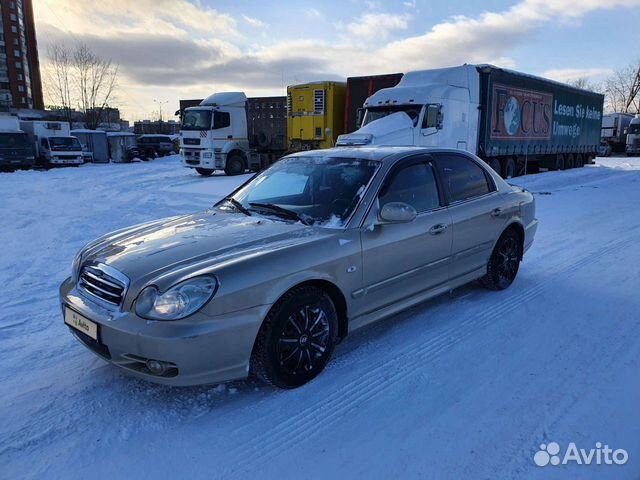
point(559, 163)
point(579, 163)
point(504, 262)
point(205, 172)
point(496, 165)
point(296, 339)
point(235, 165)
point(510, 168)
point(571, 162)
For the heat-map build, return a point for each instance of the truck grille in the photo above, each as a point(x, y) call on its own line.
point(67, 157)
point(191, 141)
point(94, 280)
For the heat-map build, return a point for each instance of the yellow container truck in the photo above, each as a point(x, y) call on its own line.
point(315, 114)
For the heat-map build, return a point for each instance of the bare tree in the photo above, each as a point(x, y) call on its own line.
point(581, 82)
point(59, 79)
point(621, 90)
point(79, 78)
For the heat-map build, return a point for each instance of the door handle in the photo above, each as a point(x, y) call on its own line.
point(496, 212)
point(436, 229)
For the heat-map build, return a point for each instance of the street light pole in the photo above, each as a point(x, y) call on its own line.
point(160, 102)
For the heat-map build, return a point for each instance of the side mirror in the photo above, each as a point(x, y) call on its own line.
point(397, 212)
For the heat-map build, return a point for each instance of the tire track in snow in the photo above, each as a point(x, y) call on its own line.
point(321, 415)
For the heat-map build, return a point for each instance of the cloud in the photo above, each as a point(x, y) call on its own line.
point(570, 74)
point(161, 48)
point(377, 25)
point(254, 22)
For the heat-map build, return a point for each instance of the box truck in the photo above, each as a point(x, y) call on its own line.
point(633, 137)
point(15, 148)
point(613, 130)
point(231, 132)
point(358, 90)
point(53, 143)
point(94, 144)
point(315, 114)
point(509, 119)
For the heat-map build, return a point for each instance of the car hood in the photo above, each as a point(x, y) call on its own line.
point(152, 249)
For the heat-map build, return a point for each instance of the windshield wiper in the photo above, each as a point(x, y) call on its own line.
point(238, 206)
point(278, 210)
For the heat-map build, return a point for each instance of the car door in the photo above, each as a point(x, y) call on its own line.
point(476, 208)
point(404, 259)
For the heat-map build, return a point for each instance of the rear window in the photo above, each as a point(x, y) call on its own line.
point(463, 178)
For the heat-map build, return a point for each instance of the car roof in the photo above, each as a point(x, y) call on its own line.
point(380, 153)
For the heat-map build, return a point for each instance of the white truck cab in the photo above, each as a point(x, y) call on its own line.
point(633, 137)
point(437, 107)
point(53, 143)
point(213, 135)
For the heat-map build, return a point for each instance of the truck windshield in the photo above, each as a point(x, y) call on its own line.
point(375, 113)
point(316, 190)
point(14, 140)
point(196, 120)
point(634, 129)
point(64, 143)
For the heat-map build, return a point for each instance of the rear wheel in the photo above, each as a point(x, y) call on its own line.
point(579, 163)
point(504, 262)
point(296, 339)
point(235, 165)
point(571, 162)
point(205, 172)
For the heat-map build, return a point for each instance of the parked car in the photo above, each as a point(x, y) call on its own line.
point(604, 150)
point(156, 145)
point(123, 147)
point(275, 274)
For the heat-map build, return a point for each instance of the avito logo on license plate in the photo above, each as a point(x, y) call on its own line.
point(80, 323)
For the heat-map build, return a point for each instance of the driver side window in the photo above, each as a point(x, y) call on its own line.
point(415, 185)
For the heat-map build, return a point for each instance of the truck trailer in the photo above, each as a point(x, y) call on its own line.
point(315, 114)
point(53, 143)
point(614, 130)
point(513, 121)
point(15, 148)
point(358, 90)
point(231, 132)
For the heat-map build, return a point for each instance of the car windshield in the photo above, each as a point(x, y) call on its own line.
point(634, 129)
point(64, 143)
point(318, 190)
point(13, 140)
point(375, 113)
point(196, 120)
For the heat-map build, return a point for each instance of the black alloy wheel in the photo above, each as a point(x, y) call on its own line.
point(504, 262)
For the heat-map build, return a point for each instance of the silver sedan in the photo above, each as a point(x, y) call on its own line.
point(268, 280)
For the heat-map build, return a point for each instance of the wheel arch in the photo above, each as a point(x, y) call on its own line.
point(518, 228)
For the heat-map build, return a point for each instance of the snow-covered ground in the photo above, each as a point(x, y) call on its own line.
point(466, 386)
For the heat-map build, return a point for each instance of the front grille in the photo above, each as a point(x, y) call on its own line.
point(191, 141)
point(95, 346)
point(94, 280)
point(67, 157)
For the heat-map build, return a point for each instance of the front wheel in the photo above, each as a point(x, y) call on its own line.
point(205, 172)
point(234, 166)
point(296, 339)
point(504, 262)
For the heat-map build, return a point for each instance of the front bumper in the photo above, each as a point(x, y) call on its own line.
point(193, 158)
point(199, 349)
point(633, 149)
point(76, 160)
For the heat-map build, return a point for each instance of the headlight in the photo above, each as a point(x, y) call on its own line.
point(207, 155)
point(179, 301)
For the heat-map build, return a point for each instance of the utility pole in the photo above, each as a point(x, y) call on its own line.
point(635, 90)
point(160, 102)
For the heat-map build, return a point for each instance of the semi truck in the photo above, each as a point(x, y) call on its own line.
point(53, 143)
point(513, 121)
point(228, 131)
point(613, 131)
point(15, 149)
point(358, 90)
point(633, 137)
point(315, 114)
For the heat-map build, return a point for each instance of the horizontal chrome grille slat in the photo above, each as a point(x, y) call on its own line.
point(95, 281)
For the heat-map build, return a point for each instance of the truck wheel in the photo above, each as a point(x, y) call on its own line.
point(496, 165)
point(205, 172)
point(509, 169)
point(296, 339)
point(235, 165)
point(579, 161)
point(558, 164)
point(570, 163)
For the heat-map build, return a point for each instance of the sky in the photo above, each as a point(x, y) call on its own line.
point(168, 50)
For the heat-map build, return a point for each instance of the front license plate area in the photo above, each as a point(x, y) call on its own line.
point(80, 323)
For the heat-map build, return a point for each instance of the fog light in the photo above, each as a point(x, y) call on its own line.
point(156, 367)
